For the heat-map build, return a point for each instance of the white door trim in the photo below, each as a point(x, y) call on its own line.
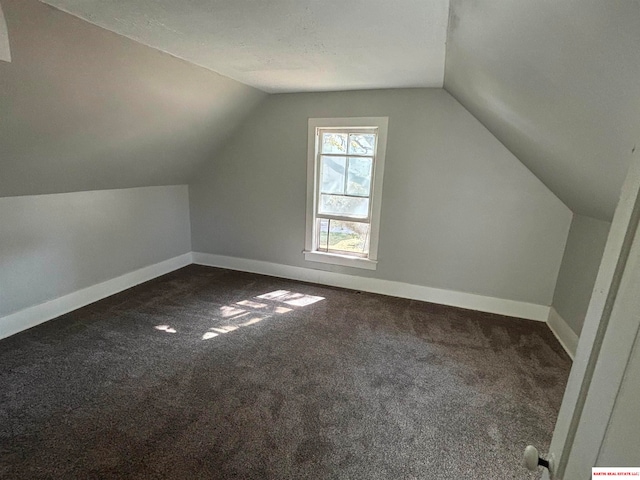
point(605, 344)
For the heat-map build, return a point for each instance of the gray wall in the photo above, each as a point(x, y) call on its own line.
point(459, 211)
point(580, 264)
point(557, 83)
point(86, 109)
point(52, 245)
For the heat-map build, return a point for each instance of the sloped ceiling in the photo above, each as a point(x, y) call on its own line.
point(82, 108)
point(289, 45)
point(558, 83)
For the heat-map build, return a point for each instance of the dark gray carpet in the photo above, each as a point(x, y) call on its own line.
point(147, 384)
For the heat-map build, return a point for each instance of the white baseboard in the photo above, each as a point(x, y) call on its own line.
point(469, 301)
point(32, 316)
point(563, 332)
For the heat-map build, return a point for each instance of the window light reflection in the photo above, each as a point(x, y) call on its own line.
point(273, 295)
point(230, 311)
point(252, 311)
point(165, 328)
point(249, 303)
point(291, 298)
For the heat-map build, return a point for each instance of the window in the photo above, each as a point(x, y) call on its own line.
point(344, 187)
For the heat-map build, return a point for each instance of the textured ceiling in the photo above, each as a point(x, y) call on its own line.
point(82, 108)
point(5, 51)
point(558, 83)
point(289, 45)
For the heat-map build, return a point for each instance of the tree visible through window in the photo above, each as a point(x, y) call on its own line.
point(344, 203)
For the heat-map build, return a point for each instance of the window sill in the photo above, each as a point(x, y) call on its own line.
point(342, 260)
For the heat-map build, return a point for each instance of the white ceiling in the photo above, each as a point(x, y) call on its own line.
point(84, 109)
point(289, 45)
point(558, 83)
point(555, 82)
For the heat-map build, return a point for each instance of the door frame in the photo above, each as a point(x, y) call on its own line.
point(605, 345)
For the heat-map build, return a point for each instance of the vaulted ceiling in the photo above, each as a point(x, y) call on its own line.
point(82, 108)
point(289, 45)
point(558, 83)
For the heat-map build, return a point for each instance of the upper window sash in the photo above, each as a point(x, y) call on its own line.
point(364, 130)
point(347, 131)
point(342, 218)
point(318, 175)
point(354, 155)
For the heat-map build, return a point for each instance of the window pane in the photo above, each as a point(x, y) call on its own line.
point(322, 226)
point(362, 144)
point(344, 206)
point(359, 179)
point(343, 237)
point(334, 143)
point(332, 174)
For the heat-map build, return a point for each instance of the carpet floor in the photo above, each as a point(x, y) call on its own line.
point(207, 373)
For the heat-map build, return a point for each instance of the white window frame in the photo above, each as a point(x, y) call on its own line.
point(311, 252)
